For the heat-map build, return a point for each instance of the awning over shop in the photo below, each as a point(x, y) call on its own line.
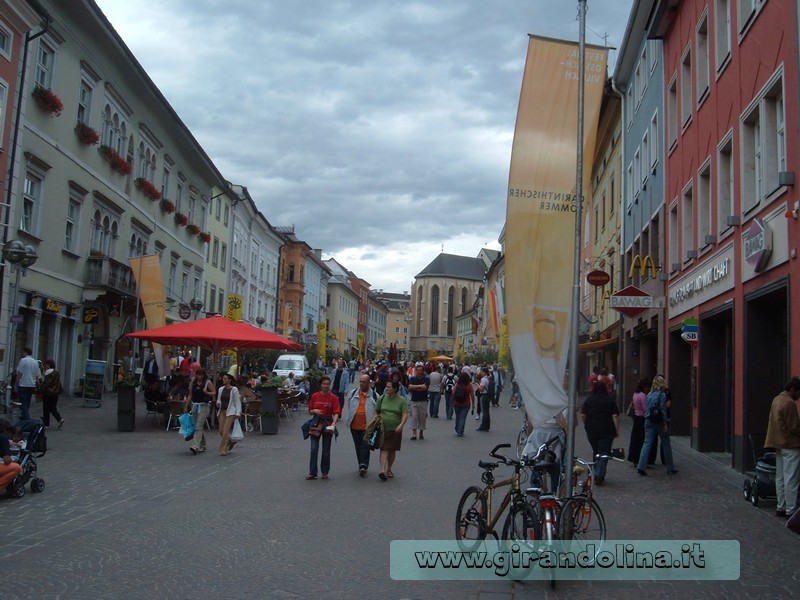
point(598, 344)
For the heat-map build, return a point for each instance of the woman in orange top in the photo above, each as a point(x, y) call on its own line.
point(360, 405)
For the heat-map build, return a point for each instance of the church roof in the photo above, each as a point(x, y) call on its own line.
point(457, 267)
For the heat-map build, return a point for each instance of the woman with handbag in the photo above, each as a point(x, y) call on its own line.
point(393, 409)
point(51, 390)
point(229, 409)
point(201, 393)
point(656, 425)
point(324, 406)
point(636, 409)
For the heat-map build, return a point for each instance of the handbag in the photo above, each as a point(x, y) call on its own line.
point(315, 430)
point(237, 435)
point(187, 426)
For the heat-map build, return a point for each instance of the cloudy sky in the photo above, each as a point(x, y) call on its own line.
point(381, 129)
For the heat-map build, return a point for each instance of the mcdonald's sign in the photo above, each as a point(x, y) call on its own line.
point(643, 262)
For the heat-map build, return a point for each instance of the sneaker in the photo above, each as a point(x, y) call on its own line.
point(477, 417)
point(309, 477)
point(193, 451)
point(422, 437)
point(362, 472)
point(61, 423)
point(324, 476)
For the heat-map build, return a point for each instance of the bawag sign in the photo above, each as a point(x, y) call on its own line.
point(758, 245)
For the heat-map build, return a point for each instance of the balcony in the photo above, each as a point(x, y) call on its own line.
point(106, 273)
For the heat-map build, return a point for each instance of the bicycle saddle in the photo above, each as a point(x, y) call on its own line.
point(485, 464)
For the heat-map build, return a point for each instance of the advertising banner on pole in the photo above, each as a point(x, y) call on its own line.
point(147, 273)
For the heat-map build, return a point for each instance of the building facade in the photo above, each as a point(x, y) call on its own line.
point(342, 312)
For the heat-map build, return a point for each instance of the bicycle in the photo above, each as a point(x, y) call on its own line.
point(522, 436)
point(475, 518)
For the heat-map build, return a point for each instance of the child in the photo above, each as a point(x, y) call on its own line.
point(16, 444)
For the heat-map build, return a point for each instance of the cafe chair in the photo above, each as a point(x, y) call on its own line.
point(152, 409)
point(252, 414)
point(176, 409)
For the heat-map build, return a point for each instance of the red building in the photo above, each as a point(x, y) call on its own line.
point(730, 73)
point(361, 288)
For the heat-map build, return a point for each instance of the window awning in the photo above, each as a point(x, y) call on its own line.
point(598, 344)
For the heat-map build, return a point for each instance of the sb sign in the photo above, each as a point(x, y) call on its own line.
point(631, 301)
point(598, 278)
point(689, 332)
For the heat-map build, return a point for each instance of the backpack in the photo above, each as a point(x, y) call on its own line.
point(449, 383)
point(656, 416)
point(460, 394)
point(491, 385)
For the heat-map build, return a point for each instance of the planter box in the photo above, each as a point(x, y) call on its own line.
point(126, 408)
point(269, 424)
point(269, 399)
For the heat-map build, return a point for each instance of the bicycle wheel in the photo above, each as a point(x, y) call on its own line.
point(471, 517)
point(582, 521)
point(522, 523)
point(522, 439)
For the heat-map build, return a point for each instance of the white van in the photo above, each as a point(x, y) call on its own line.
point(292, 363)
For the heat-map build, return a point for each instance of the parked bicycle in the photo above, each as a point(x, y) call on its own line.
point(522, 436)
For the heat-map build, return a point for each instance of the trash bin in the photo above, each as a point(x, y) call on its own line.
point(126, 408)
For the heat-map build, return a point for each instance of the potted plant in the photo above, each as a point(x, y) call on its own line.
point(269, 398)
point(148, 189)
point(126, 403)
point(47, 100)
point(87, 135)
point(118, 164)
point(193, 229)
point(269, 423)
point(206, 237)
point(181, 220)
point(168, 206)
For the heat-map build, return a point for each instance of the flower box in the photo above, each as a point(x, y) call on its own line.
point(148, 189)
point(118, 164)
point(87, 135)
point(47, 100)
point(181, 219)
point(206, 237)
point(167, 206)
point(193, 229)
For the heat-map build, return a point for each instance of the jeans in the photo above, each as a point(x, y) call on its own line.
point(461, 418)
point(448, 404)
point(601, 444)
point(325, 466)
point(787, 478)
point(650, 433)
point(25, 396)
point(362, 450)
point(434, 398)
point(50, 408)
point(200, 411)
point(485, 418)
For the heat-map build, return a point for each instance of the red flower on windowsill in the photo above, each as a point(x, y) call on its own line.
point(193, 229)
point(47, 100)
point(148, 189)
point(206, 237)
point(87, 135)
point(168, 206)
point(118, 164)
point(181, 219)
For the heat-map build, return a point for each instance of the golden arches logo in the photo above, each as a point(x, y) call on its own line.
point(643, 262)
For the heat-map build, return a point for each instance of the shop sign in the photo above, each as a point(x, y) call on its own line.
point(52, 305)
point(184, 311)
point(631, 301)
point(708, 277)
point(643, 262)
point(598, 278)
point(758, 245)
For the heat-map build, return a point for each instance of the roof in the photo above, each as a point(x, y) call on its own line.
point(457, 267)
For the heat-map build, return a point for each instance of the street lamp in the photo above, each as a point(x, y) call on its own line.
point(260, 321)
point(20, 257)
point(196, 305)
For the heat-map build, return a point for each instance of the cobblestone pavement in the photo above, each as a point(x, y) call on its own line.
point(135, 515)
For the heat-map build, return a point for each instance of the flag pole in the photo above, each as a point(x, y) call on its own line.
point(576, 286)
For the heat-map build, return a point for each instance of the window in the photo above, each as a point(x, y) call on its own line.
point(85, 102)
point(178, 197)
point(637, 172)
point(191, 212)
point(3, 104)
point(630, 102)
point(290, 275)
point(223, 259)
point(165, 183)
point(763, 145)
point(702, 58)
point(686, 87)
point(653, 48)
point(687, 221)
point(645, 156)
point(603, 212)
point(215, 252)
point(105, 230)
point(673, 238)
point(173, 273)
point(225, 220)
point(725, 181)
point(6, 39)
point(185, 286)
point(747, 11)
point(722, 32)
point(463, 300)
point(435, 310)
point(219, 207)
point(147, 161)
point(631, 190)
point(43, 70)
point(71, 226)
point(212, 299)
point(704, 203)
point(672, 112)
point(451, 318)
point(654, 141)
point(115, 128)
point(31, 200)
point(221, 299)
point(613, 196)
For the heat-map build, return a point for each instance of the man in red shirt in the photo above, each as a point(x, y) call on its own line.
point(325, 406)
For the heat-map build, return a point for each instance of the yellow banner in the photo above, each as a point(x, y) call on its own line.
point(540, 214)
point(360, 342)
point(147, 274)
point(234, 309)
point(322, 340)
point(504, 351)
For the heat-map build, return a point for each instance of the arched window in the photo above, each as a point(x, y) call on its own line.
point(463, 300)
point(108, 127)
point(97, 232)
point(419, 311)
point(435, 310)
point(451, 295)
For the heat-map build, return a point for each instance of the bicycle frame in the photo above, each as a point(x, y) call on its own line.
point(488, 491)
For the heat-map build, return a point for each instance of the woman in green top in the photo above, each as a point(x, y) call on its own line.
point(393, 409)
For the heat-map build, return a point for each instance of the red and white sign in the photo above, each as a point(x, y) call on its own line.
point(631, 301)
point(598, 278)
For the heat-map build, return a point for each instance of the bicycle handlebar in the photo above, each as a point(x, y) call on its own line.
point(494, 454)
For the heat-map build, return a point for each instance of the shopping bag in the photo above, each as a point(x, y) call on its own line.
point(187, 426)
point(237, 435)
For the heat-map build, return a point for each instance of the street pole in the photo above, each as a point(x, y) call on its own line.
point(576, 286)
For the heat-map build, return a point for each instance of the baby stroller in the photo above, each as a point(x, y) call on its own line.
point(36, 447)
point(762, 485)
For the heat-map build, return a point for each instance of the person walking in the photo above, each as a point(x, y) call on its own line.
point(499, 380)
point(27, 374)
point(484, 400)
point(201, 393)
point(601, 422)
point(639, 407)
point(435, 390)
point(783, 434)
point(360, 410)
point(656, 423)
point(448, 383)
point(323, 405)
point(393, 409)
point(51, 390)
point(229, 409)
point(340, 381)
point(418, 388)
point(463, 396)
